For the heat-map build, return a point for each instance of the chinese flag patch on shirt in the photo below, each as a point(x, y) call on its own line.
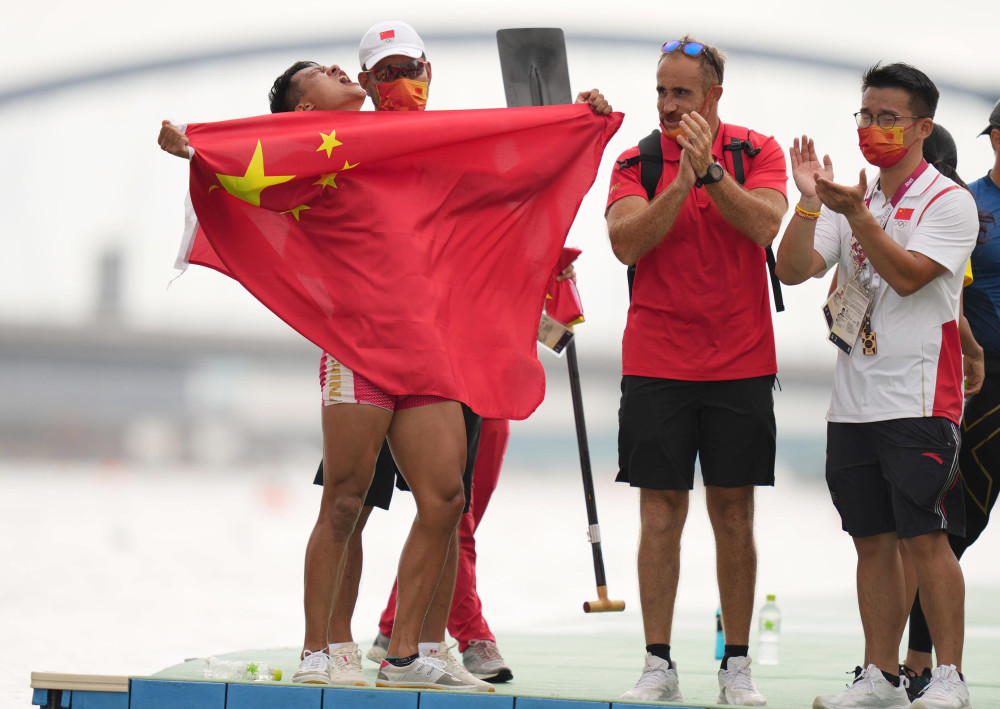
point(388, 34)
point(903, 214)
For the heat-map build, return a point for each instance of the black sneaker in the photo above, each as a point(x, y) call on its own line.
point(917, 682)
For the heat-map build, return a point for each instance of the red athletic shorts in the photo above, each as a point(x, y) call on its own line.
point(339, 385)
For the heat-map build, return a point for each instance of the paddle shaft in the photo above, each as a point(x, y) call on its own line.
point(585, 469)
point(536, 73)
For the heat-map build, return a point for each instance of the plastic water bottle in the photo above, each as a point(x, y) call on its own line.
point(720, 636)
point(240, 670)
point(770, 630)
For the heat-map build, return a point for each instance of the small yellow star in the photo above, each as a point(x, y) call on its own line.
point(329, 142)
point(213, 187)
point(348, 166)
point(249, 186)
point(327, 180)
point(294, 211)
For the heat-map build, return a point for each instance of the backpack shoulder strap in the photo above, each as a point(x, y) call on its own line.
point(650, 159)
point(738, 147)
point(651, 169)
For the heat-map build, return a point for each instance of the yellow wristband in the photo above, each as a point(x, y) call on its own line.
point(805, 214)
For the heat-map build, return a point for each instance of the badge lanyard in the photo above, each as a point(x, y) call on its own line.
point(848, 310)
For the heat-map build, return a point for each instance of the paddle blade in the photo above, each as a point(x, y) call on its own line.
point(534, 67)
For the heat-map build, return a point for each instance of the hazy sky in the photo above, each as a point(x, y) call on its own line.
point(62, 36)
point(84, 174)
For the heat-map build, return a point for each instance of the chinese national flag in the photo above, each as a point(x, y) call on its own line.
point(562, 300)
point(414, 247)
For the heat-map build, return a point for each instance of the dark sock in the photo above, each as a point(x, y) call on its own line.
point(402, 661)
point(891, 679)
point(734, 651)
point(659, 650)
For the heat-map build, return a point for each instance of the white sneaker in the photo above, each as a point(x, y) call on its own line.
point(946, 690)
point(871, 690)
point(736, 686)
point(345, 665)
point(483, 660)
point(422, 673)
point(314, 668)
point(658, 682)
point(377, 652)
point(456, 668)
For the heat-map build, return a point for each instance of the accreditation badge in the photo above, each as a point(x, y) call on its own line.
point(832, 306)
point(553, 334)
point(850, 315)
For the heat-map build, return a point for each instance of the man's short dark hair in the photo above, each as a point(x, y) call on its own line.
point(923, 93)
point(713, 61)
point(285, 94)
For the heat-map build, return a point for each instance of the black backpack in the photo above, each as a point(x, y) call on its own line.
point(650, 158)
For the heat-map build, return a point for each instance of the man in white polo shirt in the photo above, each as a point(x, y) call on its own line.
point(901, 246)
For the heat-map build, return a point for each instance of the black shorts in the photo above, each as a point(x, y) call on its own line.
point(664, 424)
point(896, 476)
point(380, 491)
point(387, 472)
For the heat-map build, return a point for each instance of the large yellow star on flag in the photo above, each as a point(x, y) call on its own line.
point(327, 180)
point(329, 142)
point(249, 186)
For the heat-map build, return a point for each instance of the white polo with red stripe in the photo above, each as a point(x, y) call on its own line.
point(917, 370)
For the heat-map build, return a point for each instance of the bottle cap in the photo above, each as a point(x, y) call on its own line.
point(770, 596)
point(277, 675)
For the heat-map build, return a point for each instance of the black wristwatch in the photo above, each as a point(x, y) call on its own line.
point(715, 174)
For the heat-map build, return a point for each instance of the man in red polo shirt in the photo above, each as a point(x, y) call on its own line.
point(698, 359)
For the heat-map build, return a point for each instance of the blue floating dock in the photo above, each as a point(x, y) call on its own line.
point(550, 672)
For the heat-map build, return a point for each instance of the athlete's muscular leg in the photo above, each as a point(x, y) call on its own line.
point(339, 630)
point(731, 513)
point(352, 437)
point(881, 598)
point(662, 514)
point(429, 443)
point(436, 620)
point(433, 631)
point(942, 593)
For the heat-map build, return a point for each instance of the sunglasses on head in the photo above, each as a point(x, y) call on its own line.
point(692, 49)
point(391, 72)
